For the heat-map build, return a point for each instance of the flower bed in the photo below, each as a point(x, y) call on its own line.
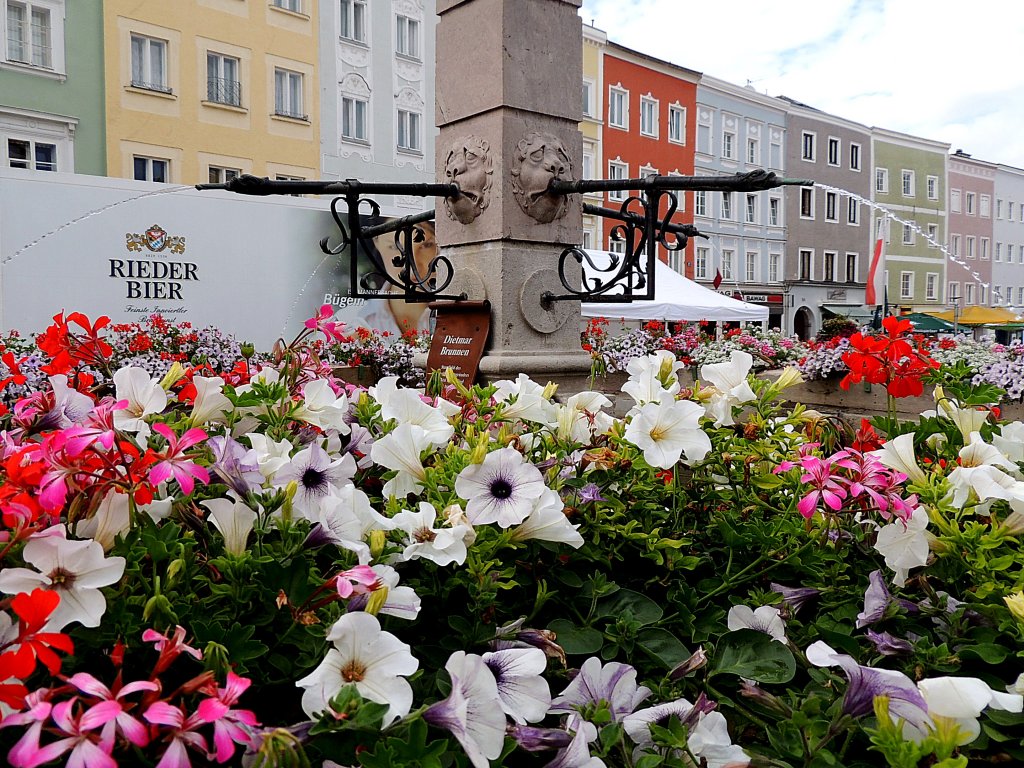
point(269, 567)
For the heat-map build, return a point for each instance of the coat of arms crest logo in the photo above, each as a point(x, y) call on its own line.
point(154, 239)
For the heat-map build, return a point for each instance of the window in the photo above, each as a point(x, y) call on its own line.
point(933, 235)
point(986, 206)
point(219, 175)
point(984, 248)
point(933, 187)
point(774, 206)
point(289, 5)
point(908, 234)
point(970, 247)
point(931, 286)
point(751, 209)
point(288, 94)
point(149, 63)
point(983, 294)
point(589, 108)
point(1009, 210)
point(407, 41)
point(700, 264)
point(852, 211)
point(35, 33)
point(618, 171)
point(999, 209)
point(353, 119)
point(588, 165)
point(833, 150)
point(616, 245)
point(854, 157)
point(727, 265)
point(774, 267)
point(588, 239)
point(906, 285)
point(882, 180)
point(648, 116)
point(807, 146)
point(151, 169)
point(753, 152)
point(851, 267)
point(806, 264)
point(953, 292)
point(1009, 253)
point(908, 183)
point(999, 252)
point(969, 293)
point(353, 20)
point(1020, 296)
point(954, 200)
point(409, 131)
point(677, 125)
point(647, 170)
point(830, 266)
point(704, 138)
point(775, 155)
point(751, 267)
point(728, 145)
point(32, 155)
point(222, 86)
point(618, 108)
point(830, 206)
point(727, 205)
point(969, 199)
point(700, 203)
point(806, 203)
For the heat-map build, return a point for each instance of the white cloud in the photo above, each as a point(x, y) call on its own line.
point(940, 70)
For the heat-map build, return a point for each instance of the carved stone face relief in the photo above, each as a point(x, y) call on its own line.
point(469, 165)
point(540, 157)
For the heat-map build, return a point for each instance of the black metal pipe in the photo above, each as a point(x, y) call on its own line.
point(255, 185)
point(393, 225)
point(688, 230)
point(755, 181)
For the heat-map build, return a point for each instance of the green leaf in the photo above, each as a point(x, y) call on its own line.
point(663, 646)
point(629, 604)
point(754, 655)
point(576, 640)
point(987, 652)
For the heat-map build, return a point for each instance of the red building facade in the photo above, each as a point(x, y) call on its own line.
point(649, 128)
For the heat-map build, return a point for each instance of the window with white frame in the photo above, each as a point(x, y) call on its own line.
point(588, 163)
point(774, 267)
point(589, 107)
point(588, 239)
point(353, 20)
point(906, 285)
point(31, 154)
point(984, 248)
point(985, 210)
point(700, 264)
point(833, 150)
point(151, 168)
point(728, 145)
point(852, 211)
point(616, 244)
point(830, 258)
point(222, 85)
point(806, 264)
point(881, 229)
point(353, 119)
point(618, 107)
point(751, 211)
point(908, 234)
point(700, 203)
point(1020, 296)
point(1022, 214)
point(407, 37)
point(968, 293)
point(953, 292)
point(35, 33)
point(1008, 295)
point(854, 156)
point(851, 267)
point(983, 294)
point(933, 235)
point(289, 5)
point(727, 206)
point(648, 116)
point(806, 203)
point(410, 131)
point(998, 256)
point(677, 124)
point(775, 155)
point(149, 63)
point(648, 170)
point(675, 261)
point(220, 175)
point(618, 171)
point(882, 180)
point(954, 200)
point(931, 286)
point(774, 211)
point(288, 101)
point(807, 145)
point(933, 187)
point(1009, 210)
point(908, 182)
point(999, 208)
point(970, 254)
point(704, 138)
point(1009, 253)
point(831, 200)
point(969, 201)
point(728, 264)
point(751, 267)
point(753, 152)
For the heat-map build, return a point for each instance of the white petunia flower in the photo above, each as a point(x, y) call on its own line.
point(524, 399)
point(1010, 441)
point(472, 713)
point(144, 394)
point(271, 455)
point(961, 700)
point(234, 520)
point(111, 519)
point(666, 430)
point(582, 418)
point(647, 377)
point(406, 406)
point(547, 522)
point(709, 740)
point(898, 454)
point(317, 476)
point(400, 450)
point(501, 489)
point(765, 619)
point(525, 695)
point(978, 472)
point(731, 388)
point(322, 408)
point(210, 403)
point(904, 545)
point(441, 545)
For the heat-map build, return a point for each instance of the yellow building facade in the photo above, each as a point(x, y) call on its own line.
point(201, 91)
point(594, 42)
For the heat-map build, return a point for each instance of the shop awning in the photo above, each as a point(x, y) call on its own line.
point(859, 313)
point(979, 316)
point(923, 322)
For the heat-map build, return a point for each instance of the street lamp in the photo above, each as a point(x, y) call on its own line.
point(956, 313)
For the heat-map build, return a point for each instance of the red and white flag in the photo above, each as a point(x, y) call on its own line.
point(876, 276)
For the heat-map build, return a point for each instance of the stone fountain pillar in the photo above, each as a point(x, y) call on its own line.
point(509, 74)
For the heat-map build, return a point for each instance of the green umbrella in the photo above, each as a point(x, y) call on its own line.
point(923, 322)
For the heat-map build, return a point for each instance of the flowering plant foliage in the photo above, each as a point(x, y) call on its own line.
point(271, 567)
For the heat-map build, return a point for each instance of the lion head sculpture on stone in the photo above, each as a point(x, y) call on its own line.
point(469, 165)
point(540, 157)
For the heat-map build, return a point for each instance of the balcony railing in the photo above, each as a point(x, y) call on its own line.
point(221, 91)
point(159, 87)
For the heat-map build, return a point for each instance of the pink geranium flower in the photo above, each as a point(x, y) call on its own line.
point(129, 726)
point(356, 581)
point(174, 461)
point(230, 726)
point(825, 486)
point(322, 321)
point(182, 734)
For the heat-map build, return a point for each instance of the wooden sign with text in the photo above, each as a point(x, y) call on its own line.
point(460, 336)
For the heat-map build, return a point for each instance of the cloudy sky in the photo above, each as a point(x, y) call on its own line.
point(946, 70)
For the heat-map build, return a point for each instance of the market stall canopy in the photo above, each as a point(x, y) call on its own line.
point(677, 299)
point(923, 322)
point(979, 316)
point(858, 313)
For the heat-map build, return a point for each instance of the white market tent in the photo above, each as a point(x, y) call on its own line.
point(676, 298)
